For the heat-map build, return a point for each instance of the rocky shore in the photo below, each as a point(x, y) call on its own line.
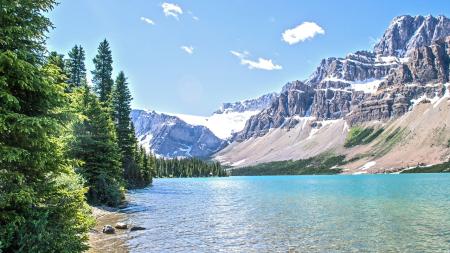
point(105, 242)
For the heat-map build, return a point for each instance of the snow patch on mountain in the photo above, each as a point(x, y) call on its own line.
point(222, 125)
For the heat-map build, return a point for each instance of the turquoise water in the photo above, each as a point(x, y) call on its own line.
point(364, 213)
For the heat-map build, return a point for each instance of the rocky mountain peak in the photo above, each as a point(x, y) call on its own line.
point(256, 104)
point(407, 32)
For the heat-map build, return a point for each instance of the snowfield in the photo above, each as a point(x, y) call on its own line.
point(223, 125)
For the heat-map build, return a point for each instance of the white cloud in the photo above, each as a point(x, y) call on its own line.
point(239, 54)
point(188, 49)
point(147, 20)
point(264, 64)
point(307, 30)
point(193, 16)
point(173, 10)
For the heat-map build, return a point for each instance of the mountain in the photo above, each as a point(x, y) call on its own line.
point(405, 33)
point(169, 136)
point(231, 117)
point(172, 135)
point(398, 91)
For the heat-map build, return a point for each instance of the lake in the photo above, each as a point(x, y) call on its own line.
point(364, 213)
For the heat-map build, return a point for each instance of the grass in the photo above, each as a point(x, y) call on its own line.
point(318, 165)
point(437, 168)
point(358, 136)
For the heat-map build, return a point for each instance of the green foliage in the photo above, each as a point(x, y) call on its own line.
point(102, 74)
point(57, 60)
point(137, 164)
point(188, 167)
point(42, 206)
point(95, 144)
point(358, 136)
point(318, 165)
point(75, 67)
point(437, 168)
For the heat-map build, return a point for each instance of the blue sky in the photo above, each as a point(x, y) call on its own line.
point(190, 56)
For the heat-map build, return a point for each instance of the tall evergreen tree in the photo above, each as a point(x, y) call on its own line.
point(125, 135)
point(95, 144)
point(102, 74)
point(76, 68)
point(42, 206)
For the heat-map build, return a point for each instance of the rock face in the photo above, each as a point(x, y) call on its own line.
point(410, 61)
point(422, 77)
point(406, 33)
point(169, 136)
point(295, 99)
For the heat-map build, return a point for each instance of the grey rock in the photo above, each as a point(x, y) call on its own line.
point(296, 99)
point(121, 225)
point(424, 74)
point(108, 229)
point(405, 33)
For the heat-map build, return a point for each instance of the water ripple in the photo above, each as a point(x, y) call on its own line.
point(370, 213)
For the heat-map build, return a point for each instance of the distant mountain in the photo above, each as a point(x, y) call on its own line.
point(231, 117)
point(256, 104)
point(399, 88)
point(172, 135)
point(169, 136)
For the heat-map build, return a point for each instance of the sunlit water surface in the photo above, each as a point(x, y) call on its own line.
point(366, 213)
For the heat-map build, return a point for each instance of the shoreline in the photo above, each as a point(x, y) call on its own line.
point(101, 242)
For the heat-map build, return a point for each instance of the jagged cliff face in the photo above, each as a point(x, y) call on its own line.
point(296, 99)
point(169, 136)
point(410, 61)
point(406, 33)
point(423, 76)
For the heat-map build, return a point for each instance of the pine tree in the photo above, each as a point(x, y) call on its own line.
point(102, 75)
point(121, 103)
point(42, 205)
point(76, 68)
point(95, 144)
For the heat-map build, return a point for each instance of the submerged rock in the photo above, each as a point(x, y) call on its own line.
point(136, 228)
point(108, 229)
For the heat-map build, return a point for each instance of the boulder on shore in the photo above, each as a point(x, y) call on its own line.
point(121, 225)
point(108, 229)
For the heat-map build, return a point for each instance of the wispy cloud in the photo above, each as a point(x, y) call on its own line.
point(261, 63)
point(148, 21)
point(193, 16)
point(188, 49)
point(173, 10)
point(300, 33)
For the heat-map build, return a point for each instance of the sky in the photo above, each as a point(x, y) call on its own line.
point(191, 56)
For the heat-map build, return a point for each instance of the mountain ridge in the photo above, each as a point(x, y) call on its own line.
point(407, 67)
